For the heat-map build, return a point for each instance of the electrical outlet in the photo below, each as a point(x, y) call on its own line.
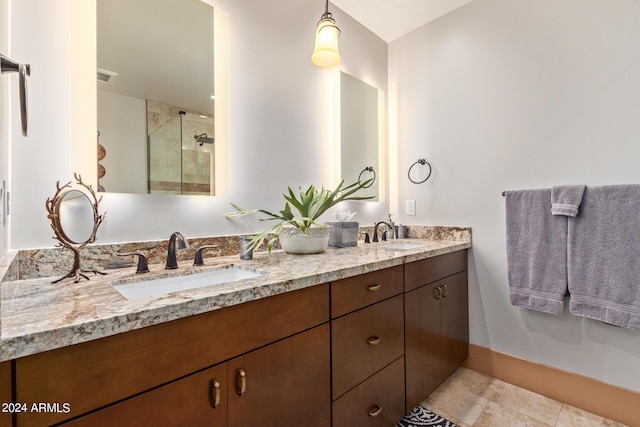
point(411, 207)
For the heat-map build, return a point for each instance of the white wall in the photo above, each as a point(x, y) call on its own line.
point(42, 158)
point(280, 120)
point(123, 133)
point(510, 94)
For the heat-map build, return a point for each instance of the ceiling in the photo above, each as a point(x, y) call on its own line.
point(390, 19)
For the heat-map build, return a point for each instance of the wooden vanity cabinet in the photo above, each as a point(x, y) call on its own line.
point(436, 323)
point(95, 374)
point(359, 351)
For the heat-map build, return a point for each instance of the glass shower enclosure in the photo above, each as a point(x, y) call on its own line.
point(181, 156)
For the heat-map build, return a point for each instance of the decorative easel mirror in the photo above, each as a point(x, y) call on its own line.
point(75, 219)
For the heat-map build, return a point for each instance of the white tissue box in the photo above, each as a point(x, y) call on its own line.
point(343, 234)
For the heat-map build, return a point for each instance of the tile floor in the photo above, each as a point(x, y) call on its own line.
point(470, 398)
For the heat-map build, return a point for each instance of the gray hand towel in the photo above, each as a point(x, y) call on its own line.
point(536, 251)
point(566, 199)
point(604, 256)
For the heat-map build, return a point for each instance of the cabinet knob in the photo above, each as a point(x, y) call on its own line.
point(437, 292)
point(214, 393)
point(374, 340)
point(375, 410)
point(242, 382)
point(373, 288)
point(445, 291)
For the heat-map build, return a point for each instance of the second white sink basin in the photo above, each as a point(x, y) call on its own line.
point(404, 246)
point(140, 288)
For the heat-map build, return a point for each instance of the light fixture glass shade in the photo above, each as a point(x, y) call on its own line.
point(325, 52)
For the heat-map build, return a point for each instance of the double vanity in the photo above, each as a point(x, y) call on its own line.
point(353, 336)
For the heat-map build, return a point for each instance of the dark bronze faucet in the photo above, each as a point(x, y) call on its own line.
point(172, 262)
point(384, 234)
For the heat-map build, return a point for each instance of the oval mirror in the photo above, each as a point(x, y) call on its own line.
point(76, 216)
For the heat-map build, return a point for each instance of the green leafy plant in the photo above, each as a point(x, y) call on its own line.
point(309, 204)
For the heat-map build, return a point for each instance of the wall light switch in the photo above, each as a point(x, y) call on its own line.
point(411, 207)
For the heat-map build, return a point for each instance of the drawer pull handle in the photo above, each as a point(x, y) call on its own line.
point(374, 340)
point(437, 292)
point(445, 291)
point(373, 288)
point(214, 393)
point(242, 382)
point(375, 410)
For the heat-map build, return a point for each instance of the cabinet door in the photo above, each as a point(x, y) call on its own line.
point(197, 400)
point(422, 341)
point(437, 334)
point(454, 322)
point(283, 384)
point(5, 393)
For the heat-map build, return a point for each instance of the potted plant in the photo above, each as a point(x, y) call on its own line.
point(299, 232)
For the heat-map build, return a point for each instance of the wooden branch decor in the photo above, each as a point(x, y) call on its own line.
point(53, 206)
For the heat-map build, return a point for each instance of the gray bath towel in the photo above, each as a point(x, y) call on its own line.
point(566, 199)
point(536, 251)
point(604, 256)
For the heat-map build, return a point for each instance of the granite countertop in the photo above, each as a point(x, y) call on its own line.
point(37, 315)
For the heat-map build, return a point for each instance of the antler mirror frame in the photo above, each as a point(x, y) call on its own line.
point(66, 200)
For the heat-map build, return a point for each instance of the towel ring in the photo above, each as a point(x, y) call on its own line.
point(367, 169)
point(422, 162)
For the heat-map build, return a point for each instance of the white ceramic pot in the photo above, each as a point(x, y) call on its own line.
point(293, 241)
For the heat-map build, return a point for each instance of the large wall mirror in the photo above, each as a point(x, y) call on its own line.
point(360, 133)
point(157, 100)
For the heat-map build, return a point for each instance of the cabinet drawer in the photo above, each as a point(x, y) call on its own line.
point(97, 373)
point(364, 342)
point(423, 272)
point(350, 294)
point(379, 401)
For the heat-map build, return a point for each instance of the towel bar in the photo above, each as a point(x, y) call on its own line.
point(8, 65)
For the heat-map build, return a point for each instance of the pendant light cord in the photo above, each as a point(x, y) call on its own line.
point(327, 14)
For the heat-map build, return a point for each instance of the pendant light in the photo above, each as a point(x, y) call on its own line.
point(325, 52)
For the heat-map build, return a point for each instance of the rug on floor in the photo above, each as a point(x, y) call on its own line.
point(420, 416)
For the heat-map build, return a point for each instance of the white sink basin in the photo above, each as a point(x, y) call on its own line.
point(404, 246)
point(140, 288)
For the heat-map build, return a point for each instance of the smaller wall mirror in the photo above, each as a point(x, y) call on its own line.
point(360, 133)
point(75, 219)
